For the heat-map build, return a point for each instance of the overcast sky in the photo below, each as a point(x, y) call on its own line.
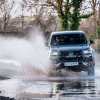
point(17, 11)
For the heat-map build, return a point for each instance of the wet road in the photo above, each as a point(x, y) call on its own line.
point(87, 89)
point(66, 88)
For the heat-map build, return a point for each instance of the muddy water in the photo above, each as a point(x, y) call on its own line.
point(77, 86)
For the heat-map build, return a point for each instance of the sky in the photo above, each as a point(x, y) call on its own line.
point(17, 11)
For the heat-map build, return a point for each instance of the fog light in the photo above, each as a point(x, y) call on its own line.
point(85, 63)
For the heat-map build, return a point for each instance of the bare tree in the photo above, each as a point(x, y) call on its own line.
point(22, 15)
point(93, 6)
point(42, 13)
point(98, 21)
point(6, 8)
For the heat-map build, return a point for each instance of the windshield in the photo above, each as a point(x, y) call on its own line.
point(68, 39)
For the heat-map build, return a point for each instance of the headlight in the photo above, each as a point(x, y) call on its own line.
point(54, 53)
point(88, 51)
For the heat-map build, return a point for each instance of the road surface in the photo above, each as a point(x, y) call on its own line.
point(54, 88)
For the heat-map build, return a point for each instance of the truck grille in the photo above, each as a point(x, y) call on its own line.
point(70, 55)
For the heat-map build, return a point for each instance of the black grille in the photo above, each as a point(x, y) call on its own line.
point(67, 53)
point(70, 55)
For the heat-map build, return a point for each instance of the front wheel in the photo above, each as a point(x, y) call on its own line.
point(91, 70)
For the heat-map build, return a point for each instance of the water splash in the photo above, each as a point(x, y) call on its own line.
point(22, 59)
point(31, 54)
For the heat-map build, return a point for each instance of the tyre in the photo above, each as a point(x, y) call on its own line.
point(91, 70)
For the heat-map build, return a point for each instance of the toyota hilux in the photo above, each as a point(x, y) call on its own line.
point(72, 50)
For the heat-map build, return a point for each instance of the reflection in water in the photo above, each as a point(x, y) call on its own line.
point(81, 87)
point(51, 89)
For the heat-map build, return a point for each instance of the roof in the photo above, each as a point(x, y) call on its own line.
point(67, 32)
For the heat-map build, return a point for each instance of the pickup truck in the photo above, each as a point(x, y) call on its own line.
point(72, 50)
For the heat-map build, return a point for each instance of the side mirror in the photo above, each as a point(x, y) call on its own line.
point(92, 42)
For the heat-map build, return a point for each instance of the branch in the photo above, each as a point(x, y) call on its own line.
point(85, 16)
point(50, 3)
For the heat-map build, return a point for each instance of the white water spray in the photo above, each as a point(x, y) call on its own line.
point(31, 56)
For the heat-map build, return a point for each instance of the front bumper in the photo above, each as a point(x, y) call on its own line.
point(80, 67)
point(83, 63)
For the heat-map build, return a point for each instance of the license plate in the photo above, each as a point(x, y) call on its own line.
point(71, 63)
